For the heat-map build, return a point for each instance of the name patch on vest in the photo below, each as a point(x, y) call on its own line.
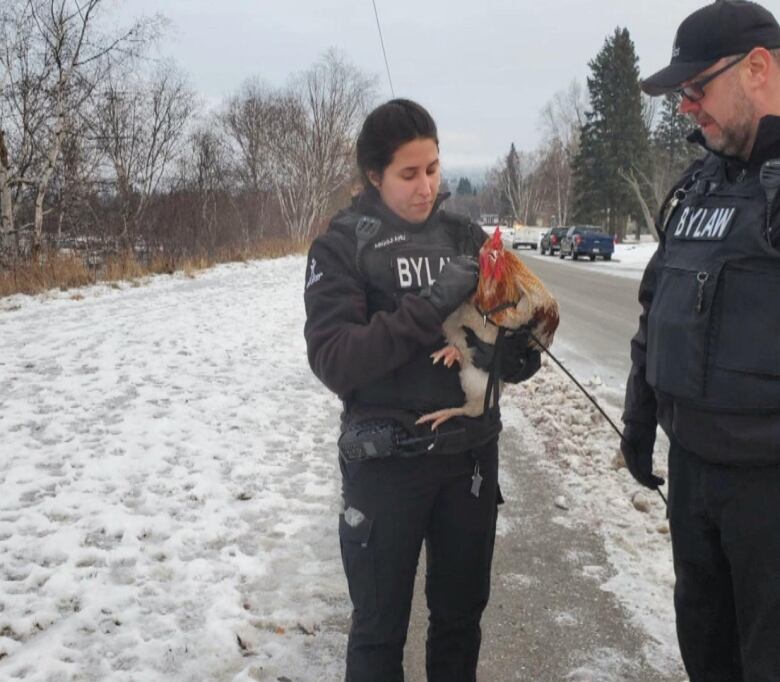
point(704, 224)
point(418, 272)
point(396, 239)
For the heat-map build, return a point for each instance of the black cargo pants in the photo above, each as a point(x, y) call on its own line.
point(725, 525)
point(403, 502)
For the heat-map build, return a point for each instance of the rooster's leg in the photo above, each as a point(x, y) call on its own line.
point(450, 355)
point(441, 416)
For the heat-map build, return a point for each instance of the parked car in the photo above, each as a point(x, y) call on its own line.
point(586, 240)
point(551, 240)
point(526, 236)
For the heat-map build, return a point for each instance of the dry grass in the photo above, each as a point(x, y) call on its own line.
point(67, 271)
point(49, 272)
point(122, 267)
point(274, 248)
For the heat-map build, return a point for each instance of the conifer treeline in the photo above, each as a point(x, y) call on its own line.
point(608, 157)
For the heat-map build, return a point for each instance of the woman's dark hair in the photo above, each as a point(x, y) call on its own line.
point(385, 129)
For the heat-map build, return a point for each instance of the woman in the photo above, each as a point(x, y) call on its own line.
point(379, 284)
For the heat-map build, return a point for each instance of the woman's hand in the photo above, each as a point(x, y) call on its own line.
point(455, 283)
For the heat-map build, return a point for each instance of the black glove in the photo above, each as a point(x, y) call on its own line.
point(637, 448)
point(455, 283)
point(518, 361)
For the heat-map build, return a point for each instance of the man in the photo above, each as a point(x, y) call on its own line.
point(706, 358)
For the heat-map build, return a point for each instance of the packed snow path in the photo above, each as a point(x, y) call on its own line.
point(169, 490)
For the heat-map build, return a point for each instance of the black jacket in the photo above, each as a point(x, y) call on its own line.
point(369, 339)
point(717, 436)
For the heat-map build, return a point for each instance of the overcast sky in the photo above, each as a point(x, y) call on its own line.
point(484, 69)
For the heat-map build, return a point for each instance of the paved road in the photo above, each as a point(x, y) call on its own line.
point(599, 315)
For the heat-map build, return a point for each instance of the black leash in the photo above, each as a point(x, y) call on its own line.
point(493, 384)
point(591, 398)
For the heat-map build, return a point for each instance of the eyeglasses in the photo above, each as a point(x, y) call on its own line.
point(693, 92)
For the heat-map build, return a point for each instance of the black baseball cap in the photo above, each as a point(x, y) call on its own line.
point(722, 29)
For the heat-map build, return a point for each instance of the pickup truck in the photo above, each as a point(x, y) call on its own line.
point(586, 240)
point(526, 236)
point(551, 240)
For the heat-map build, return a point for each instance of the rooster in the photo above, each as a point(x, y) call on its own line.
point(508, 295)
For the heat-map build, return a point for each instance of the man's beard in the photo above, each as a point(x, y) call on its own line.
point(736, 134)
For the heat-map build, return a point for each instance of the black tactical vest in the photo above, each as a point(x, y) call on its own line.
point(713, 335)
point(395, 259)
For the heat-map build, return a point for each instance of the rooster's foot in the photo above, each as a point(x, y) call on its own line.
point(450, 355)
point(440, 416)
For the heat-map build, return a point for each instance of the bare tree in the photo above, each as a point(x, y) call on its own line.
point(6, 199)
point(491, 191)
point(638, 181)
point(314, 131)
point(248, 121)
point(564, 114)
point(517, 185)
point(23, 108)
point(562, 119)
point(75, 181)
point(650, 185)
point(51, 59)
point(209, 163)
point(533, 189)
point(557, 168)
point(140, 125)
point(669, 154)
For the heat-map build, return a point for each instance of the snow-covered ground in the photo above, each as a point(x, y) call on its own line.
point(168, 497)
point(169, 489)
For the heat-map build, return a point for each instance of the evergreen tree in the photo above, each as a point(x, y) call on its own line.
point(670, 138)
point(614, 139)
point(510, 186)
point(464, 188)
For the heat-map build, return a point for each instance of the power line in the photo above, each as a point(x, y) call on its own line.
point(384, 53)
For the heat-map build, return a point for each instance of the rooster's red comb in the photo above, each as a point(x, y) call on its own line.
point(496, 243)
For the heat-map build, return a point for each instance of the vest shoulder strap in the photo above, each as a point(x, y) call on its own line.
point(366, 229)
point(679, 189)
point(362, 228)
point(463, 230)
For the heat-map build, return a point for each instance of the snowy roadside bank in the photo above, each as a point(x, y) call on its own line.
point(581, 452)
point(169, 490)
point(629, 260)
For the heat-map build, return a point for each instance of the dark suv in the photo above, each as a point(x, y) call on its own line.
point(587, 240)
point(551, 240)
